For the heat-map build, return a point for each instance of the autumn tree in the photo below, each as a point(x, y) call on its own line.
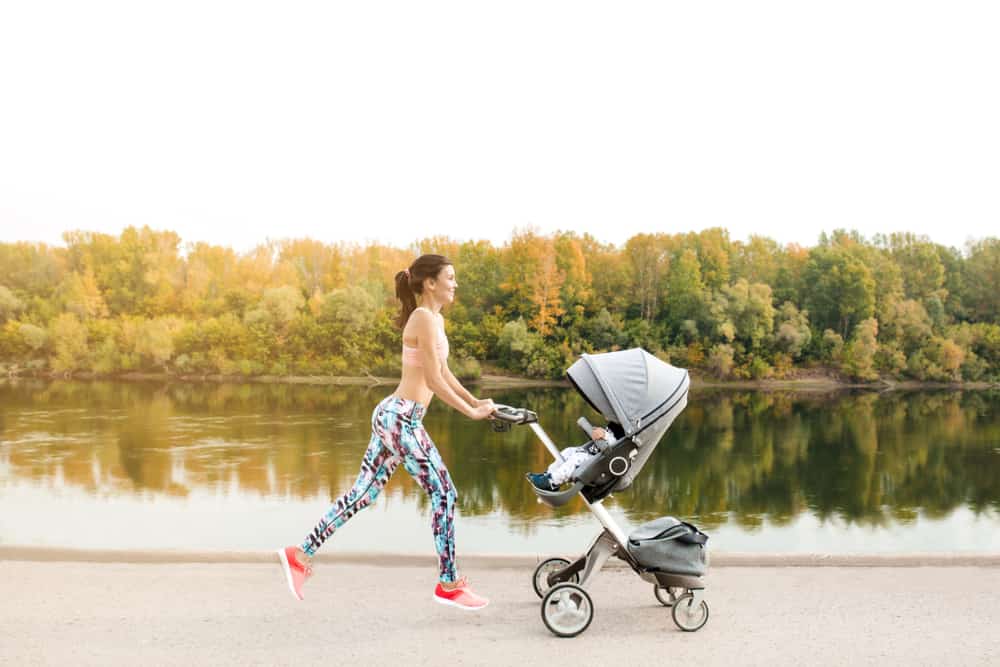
point(982, 276)
point(686, 293)
point(610, 276)
point(10, 305)
point(714, 254)
point(859, 354)
point(69, 339)
point(792, 332)
point(650, 264)
point(839, 289)
point(750, 310)
point(80, 295)
point(533, 281)
point(546, 286)
point(577, 289)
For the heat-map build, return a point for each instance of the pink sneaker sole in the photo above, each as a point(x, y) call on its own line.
point(287, 569)
point(449, 603)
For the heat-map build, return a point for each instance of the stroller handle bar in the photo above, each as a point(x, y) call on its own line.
point(505, 416)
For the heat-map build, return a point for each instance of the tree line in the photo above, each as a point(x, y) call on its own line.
point(894, 305)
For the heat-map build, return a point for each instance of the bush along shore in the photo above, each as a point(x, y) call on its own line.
point(892, 309)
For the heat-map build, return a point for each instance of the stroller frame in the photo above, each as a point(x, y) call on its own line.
point(562, 583)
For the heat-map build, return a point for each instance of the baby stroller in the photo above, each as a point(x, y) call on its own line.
point(644, 395)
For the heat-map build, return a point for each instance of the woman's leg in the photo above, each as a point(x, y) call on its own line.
point(422, 460)
point(377, 467)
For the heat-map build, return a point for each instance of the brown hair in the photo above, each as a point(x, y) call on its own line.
point(410, 282)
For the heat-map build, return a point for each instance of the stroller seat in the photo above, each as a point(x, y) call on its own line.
point(597, 478)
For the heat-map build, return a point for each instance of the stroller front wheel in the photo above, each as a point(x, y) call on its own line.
point(688, 616)
point(567, 610)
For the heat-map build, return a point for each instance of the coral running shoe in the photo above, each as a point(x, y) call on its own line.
point(461, 596)
point(295, 572)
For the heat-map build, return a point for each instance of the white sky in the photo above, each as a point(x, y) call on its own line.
point(234, 122)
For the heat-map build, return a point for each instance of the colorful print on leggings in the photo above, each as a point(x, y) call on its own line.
point(398, 436)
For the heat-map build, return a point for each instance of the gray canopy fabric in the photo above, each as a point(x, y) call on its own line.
point(633, 388)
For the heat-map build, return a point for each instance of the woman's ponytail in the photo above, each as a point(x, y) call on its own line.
point(406, 296)
point(410, 282)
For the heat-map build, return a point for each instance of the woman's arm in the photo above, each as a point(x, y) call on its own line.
point(457, 387)
point(426, 330)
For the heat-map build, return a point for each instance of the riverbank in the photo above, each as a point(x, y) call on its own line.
point(491, 561)
point(242, 614)
point(811, 381)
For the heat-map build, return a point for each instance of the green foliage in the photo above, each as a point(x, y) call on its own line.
point(749, 310)
point(908, 325)
point(839, 288)
point(940, 361)
point(640, 333)
point(10, 305)
point(758, 369)
point(280, 305)
point(34, 337)
point(686, 293)
point(604, 331)
point(154, 340)
point(832, 346)
point(980, 281)
point(69, 339)
point(12, 342)
point(80, 295)
point(465, 368)
point(516, 344)
point(986, 344)
point(859, 355)
point(720, 361)
point(793, 333)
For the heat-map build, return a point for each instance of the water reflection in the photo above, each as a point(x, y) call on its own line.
point(738, 459)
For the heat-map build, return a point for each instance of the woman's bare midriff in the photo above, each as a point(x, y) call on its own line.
point(413, 386)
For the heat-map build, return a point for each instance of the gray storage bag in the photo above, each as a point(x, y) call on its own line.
point(669, 545)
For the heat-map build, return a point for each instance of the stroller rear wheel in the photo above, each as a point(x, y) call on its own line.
point(687, 615)
point(567, 610)
point(667, 595)
point(540, 580)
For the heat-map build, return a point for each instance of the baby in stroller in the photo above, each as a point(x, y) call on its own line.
point(560, 472)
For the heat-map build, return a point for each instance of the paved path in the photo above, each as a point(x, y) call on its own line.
point(241, 614)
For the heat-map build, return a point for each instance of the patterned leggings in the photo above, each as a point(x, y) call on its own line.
point(398, 435)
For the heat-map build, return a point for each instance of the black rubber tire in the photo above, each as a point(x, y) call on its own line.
point(541, 587)
point(550, 603)
point(678, 612)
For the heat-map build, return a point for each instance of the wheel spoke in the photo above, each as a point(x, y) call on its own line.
point(567, 618)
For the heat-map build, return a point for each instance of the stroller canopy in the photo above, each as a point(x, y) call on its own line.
point(629, 387)
point(635, 389)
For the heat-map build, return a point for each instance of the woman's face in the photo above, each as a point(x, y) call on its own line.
point(442, 287)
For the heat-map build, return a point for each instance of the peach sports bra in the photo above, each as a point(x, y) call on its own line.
point(411, 355)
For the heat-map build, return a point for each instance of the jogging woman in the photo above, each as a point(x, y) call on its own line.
point(398, 435)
